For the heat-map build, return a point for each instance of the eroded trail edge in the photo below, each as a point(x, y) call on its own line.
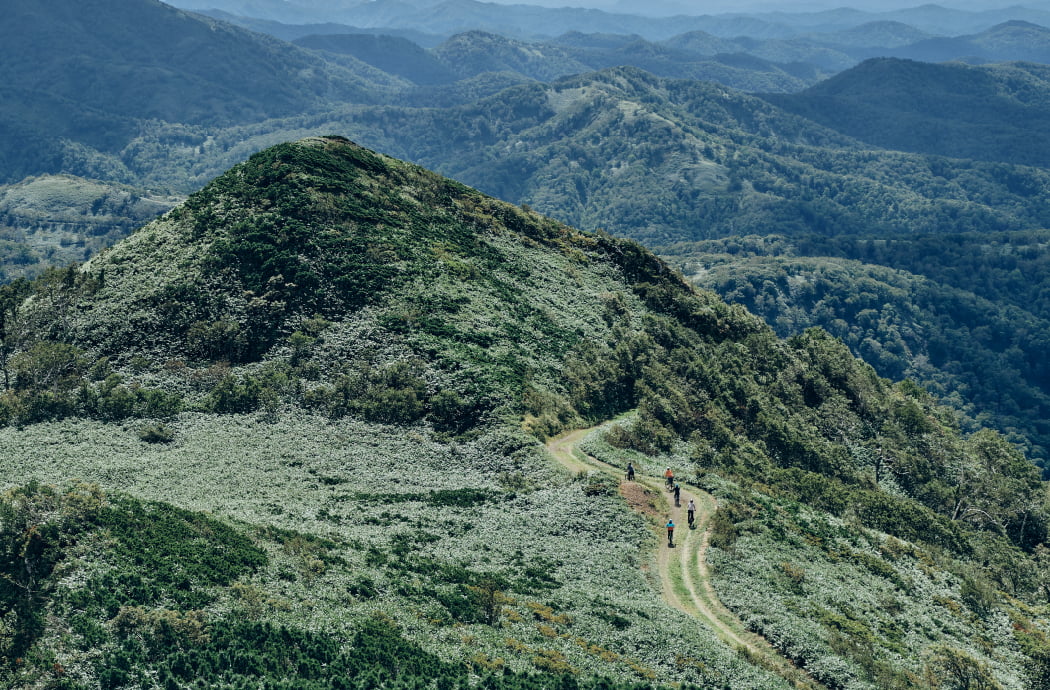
point(685, 579)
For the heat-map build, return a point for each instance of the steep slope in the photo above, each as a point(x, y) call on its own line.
point(141, 60)
point(985, 356)
point(985, 113)
point(349, 362)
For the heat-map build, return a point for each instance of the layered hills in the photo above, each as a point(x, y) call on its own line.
point(991, 113)
point(348, 364)
point(532, 22)
point(137, 63)
point(666, 160)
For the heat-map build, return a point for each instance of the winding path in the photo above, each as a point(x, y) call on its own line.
point(685, 579)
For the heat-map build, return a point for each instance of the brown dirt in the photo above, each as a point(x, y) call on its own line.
point(641, 499)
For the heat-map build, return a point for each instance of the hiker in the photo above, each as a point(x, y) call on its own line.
point(677, 495)
point(670, 533)
point(690, 510)
point(669, 476)
point(630, 472)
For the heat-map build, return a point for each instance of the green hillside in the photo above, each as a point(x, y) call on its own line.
point(296, 424)
point(992, 113)
point(140, 63)
point(658, 160)
point(987, 358)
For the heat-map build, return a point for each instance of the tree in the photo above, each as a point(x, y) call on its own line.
point(953, 669)
point(490, 598)
point(35, 525)
point(11, 296)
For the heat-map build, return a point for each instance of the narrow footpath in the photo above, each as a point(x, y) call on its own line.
point(685, 579)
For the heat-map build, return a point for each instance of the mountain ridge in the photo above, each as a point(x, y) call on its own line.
point(351, 362)
point(935, 109)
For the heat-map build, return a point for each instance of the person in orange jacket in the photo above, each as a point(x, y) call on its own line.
point(669, 476)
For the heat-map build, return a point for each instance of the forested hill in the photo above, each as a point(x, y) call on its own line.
point(989, 113)
point(349, 363)
point(665, 160)
point(138, 64)
point(965, 315)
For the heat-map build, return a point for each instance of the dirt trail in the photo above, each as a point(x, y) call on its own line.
point(685, 580)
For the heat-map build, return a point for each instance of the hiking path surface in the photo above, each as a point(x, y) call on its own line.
point(682, 570)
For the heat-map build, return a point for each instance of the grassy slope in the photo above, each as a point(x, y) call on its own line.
point(342, 481)
point(349, 289)
point(853, 606)
point(475, 308)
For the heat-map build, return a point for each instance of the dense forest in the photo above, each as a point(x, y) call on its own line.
point(961, 314)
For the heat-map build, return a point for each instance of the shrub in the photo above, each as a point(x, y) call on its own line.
point(723, 530)
point(51, 366)
point(216, 340)
point(156, 433)
point(231, 395)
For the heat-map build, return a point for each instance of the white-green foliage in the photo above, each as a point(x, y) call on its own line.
point(597, 445)
point(828, 593)
point(340, 480)
point(854, 607)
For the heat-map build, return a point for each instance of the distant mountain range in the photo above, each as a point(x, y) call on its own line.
point(448, 17)
point(1013, 40)
point(804, 56)
point(994, 113)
